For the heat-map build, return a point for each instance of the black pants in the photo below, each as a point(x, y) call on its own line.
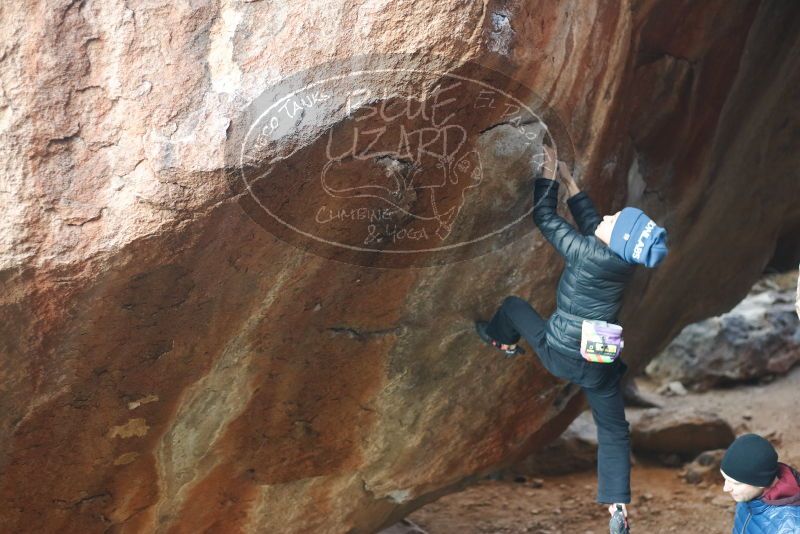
point(600, 383)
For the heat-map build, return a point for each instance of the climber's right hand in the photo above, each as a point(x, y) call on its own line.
point(569, 181)
point(548, 166)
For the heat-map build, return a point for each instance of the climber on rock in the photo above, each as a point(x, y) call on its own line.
point(579, 342)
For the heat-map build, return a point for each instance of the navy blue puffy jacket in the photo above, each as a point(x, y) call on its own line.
point(594, 279)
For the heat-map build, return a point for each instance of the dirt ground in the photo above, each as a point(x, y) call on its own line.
point(662, 502)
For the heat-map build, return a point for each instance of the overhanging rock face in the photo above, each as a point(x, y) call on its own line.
point(199, 334)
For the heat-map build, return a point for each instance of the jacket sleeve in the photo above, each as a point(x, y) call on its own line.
point(561, 234)
point(584, 212)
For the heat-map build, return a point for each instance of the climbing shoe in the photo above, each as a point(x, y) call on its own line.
point(508, 350)
point(618, 523)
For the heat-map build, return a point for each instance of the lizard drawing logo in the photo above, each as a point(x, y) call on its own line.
point(369, 162)
point(432, 167)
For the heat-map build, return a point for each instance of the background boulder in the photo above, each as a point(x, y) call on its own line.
point(760, 337)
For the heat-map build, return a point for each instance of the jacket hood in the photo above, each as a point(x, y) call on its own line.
point(787, 491)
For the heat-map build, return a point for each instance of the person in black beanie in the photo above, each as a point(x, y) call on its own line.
point(766, 491)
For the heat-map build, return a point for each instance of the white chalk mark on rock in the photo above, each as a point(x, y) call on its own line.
point(225, 74)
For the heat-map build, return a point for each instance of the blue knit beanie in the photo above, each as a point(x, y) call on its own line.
point(637, 238)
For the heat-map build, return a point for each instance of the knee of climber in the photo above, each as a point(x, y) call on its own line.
point(619, 435)
point(610, 427)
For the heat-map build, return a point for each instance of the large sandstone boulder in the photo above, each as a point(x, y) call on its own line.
point(760, 337)
point(197, 338)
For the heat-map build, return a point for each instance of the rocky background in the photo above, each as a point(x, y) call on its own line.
point(757, 340)
point(167, 365)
